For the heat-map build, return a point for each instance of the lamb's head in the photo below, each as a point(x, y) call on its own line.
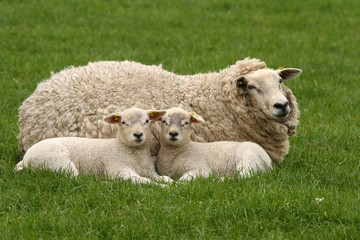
point(264, 90)
point(176, 126)
point(133, 124)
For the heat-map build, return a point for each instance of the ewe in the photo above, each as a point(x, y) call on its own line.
point(180, 157)
point(127, 156)
point(244, 102)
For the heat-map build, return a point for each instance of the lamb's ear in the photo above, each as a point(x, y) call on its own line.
point(113, 118)
point(288, 73)
point(155, 114)
point(194, 118)
point(239, 82)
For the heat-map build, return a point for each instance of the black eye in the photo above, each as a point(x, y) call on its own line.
point(163, 121)
point(147, 121)
point(186, 123)
point(123, 123)
point(251, 87)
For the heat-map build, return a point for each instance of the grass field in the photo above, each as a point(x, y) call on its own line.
point(320, 37)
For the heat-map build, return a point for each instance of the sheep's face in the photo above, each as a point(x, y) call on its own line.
point(175, 126)
point(133, 125)
point(264, 89)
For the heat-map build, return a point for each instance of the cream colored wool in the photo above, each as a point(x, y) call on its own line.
point(183, 158)
point(72, 102)
point(127, 156)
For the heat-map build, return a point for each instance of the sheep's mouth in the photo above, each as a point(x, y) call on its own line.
point(138, 140)
point(281, 114)
point(173, 139)
point(280, 117)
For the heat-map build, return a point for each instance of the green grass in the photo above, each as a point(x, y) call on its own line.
point(320, 37)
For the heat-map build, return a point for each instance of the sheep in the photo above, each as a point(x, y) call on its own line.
point(243, 102)
point(181, 157)
point(127, 156)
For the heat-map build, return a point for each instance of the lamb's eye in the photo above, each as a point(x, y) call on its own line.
point(186, 123)
point(251, 87)
point(123, 123)
point(164, 121)
point(147, 121)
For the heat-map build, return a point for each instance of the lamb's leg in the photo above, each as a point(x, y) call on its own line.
point(252, 160)
point(161, 178)
point(128, 173)
point(165, 179)
point(192, 174)
point(50, 154)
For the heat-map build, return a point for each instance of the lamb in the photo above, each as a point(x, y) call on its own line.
point(243, 102)
point(181, 157)
point(127, 156)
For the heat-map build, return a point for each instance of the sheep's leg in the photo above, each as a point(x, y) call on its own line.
point(252, 162)
point(49, 155)
point(192, 174)
point(163, 179)
point(127, 174)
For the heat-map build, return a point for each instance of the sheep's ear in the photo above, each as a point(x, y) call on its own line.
point(239, 82)
point(288, 73)
point(194, 118)
point(113, 118)
point(155, 114)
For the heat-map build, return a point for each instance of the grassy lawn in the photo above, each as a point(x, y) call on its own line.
point(313, 194)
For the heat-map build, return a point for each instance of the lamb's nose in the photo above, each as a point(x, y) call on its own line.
point(173, 134)
point(138, 136)
point(281, 106)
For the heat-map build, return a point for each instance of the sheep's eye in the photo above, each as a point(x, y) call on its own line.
point(147, 121)
point(186, 123)
point(164, 121)
point(251, 87)
point(123, 123)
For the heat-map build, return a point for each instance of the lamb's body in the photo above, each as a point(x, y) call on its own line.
point(180, 157)
point(74, 100)
point(223, 158)
point(117, 157)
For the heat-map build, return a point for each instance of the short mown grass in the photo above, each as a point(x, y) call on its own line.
point(313, 194)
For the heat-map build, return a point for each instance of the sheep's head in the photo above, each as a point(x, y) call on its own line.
point(133, 124)
point(264, 89)
point(175, 128)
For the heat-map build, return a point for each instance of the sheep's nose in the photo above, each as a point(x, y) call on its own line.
point(281, 106)
point(173, 134)
point(138, 136)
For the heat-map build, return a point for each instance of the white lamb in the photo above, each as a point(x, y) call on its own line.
point(127, 156)
point(181, 157)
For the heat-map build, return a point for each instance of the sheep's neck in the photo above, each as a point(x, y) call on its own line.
point(141, 150)
point(172, 150)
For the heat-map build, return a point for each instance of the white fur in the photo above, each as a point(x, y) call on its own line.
point(127, 156)
point(181, 157)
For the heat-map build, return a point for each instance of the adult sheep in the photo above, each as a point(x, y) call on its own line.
point(243, 102)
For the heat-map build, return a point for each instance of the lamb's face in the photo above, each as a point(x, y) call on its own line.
point(175, 126)
point(264, 89)
point(134, 125)
point(133, 128)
